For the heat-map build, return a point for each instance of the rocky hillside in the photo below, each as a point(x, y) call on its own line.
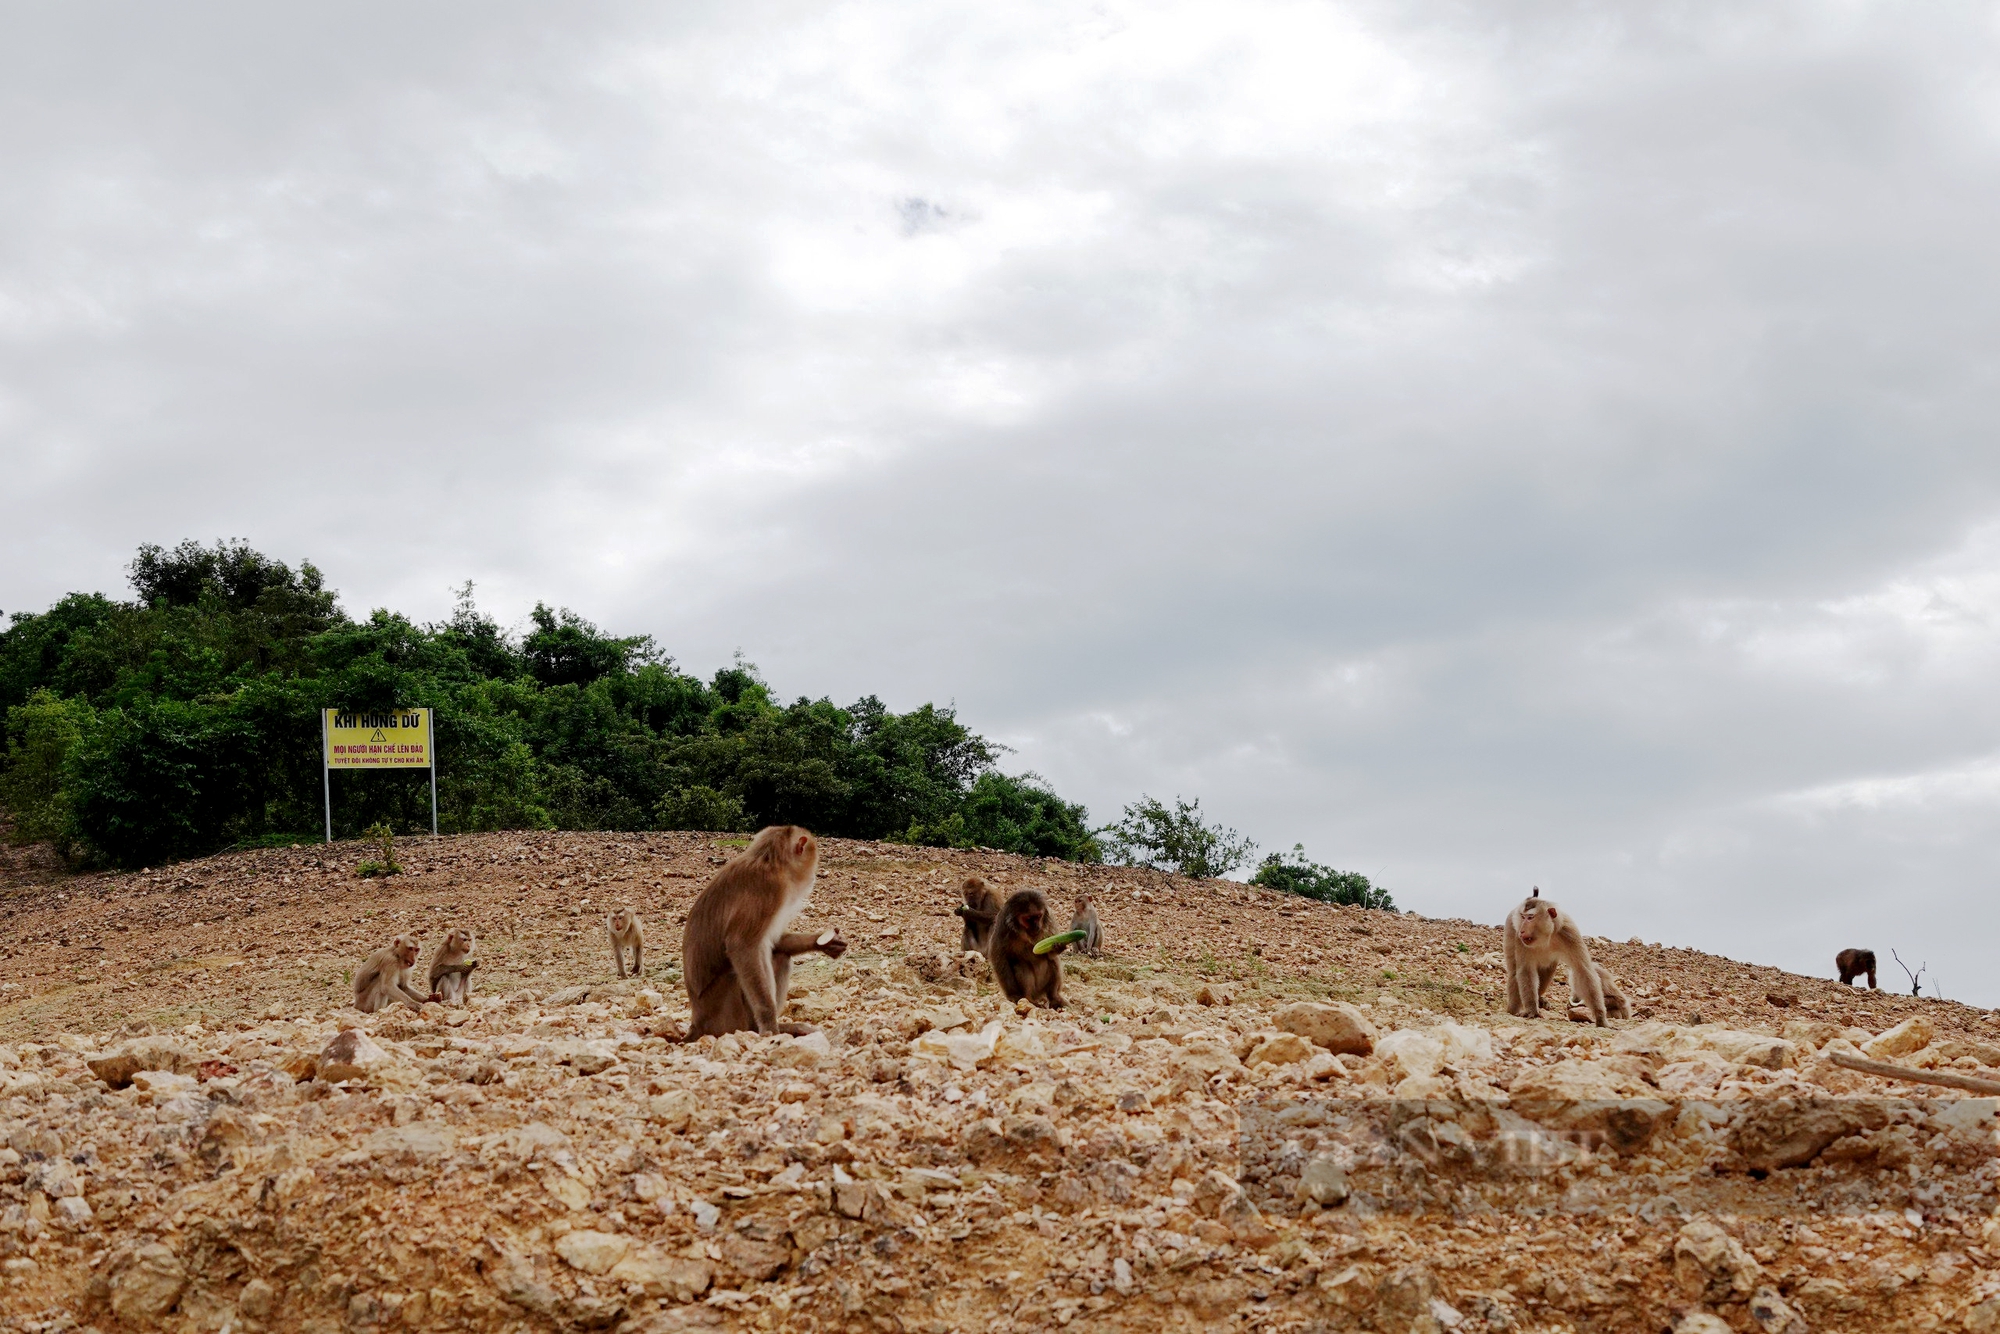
point(1257, 1112)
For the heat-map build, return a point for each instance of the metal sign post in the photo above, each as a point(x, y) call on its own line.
point(386, 739)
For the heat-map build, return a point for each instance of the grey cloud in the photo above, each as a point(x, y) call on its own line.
point(1492, 445)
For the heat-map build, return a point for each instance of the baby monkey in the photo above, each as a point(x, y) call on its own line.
point(627, 933)
point(384, 977)
point(1540, 936)
point(452, 965)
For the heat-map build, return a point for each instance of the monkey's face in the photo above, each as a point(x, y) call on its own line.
point(1083, 903)
point(406, 950)
point(458, 941)
point(621, 921)
point(1031, 921)
point(1538, 920)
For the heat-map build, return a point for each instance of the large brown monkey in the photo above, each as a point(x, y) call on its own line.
point(1540, 936)
point(980, 909)
point(736, 956)
point(1023, 920)
point(384, 977)
point(1853, 963)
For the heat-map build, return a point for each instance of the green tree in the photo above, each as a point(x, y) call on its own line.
point(40, 736)
point(1175, 838)
point(1292, 873)
point(187, 720)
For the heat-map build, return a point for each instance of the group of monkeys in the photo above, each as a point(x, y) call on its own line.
point(737, 950)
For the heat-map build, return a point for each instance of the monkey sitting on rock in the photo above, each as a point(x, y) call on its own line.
point(1540, 936)
point(1010, 949)
point(736, 954)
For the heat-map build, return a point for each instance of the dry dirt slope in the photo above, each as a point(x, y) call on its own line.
point(1165, 1152)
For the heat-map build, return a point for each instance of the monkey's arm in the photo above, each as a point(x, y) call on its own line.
point(805, 942)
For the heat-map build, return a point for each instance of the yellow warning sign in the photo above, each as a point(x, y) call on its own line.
point(394, 739)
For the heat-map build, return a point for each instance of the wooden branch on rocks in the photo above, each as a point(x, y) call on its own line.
point(1971, 1084)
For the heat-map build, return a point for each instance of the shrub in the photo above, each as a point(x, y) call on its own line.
point(1177, 839)
point(1292, 873)
point(701, 808)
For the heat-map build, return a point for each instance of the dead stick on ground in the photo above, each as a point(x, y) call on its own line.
point(1904, 1072)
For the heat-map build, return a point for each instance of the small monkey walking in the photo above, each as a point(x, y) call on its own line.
point(626, 933)
point(384, 977)
point(1853, 963)
point(1540, 936)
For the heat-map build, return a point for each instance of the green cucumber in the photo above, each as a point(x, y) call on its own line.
point(1066, 938)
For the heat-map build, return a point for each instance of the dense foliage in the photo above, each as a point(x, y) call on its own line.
point(1176, 838)
point(187, 720)
point(1294, 874)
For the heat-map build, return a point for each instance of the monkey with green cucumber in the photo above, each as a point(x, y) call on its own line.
point(1023, 954)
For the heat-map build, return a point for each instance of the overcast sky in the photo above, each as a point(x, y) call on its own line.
point(1493, 445)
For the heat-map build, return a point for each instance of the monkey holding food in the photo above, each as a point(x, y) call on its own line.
point(980, 909)
point(1540, 936)
point(736, 954)
point(452, 965)
point(1010, 949)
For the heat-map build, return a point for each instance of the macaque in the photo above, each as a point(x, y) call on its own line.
point(452, 965)
point(1540, 936)
point(627, 932)
point(736, 955)
point(1023, 920)
point(980, 909)
point(384, 977)
point(1085, 920)
point(1853, 963)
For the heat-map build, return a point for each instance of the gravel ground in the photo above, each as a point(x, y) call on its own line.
point(1257, 1112)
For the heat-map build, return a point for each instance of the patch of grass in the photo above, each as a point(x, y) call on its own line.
point(272, 841)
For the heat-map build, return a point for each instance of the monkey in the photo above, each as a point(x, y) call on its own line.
point(979, 910)
point(1539, 936)
point(1010, 949)
point(1085, 920)
point(1853, 963)
point(384, 977)
point(627, 932)
point(452, 965)
point(736, 955)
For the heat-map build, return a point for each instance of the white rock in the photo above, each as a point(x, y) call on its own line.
point(592, 1252)
point(1913, 1034)
point(1408, 1052)
point(965, 1051)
